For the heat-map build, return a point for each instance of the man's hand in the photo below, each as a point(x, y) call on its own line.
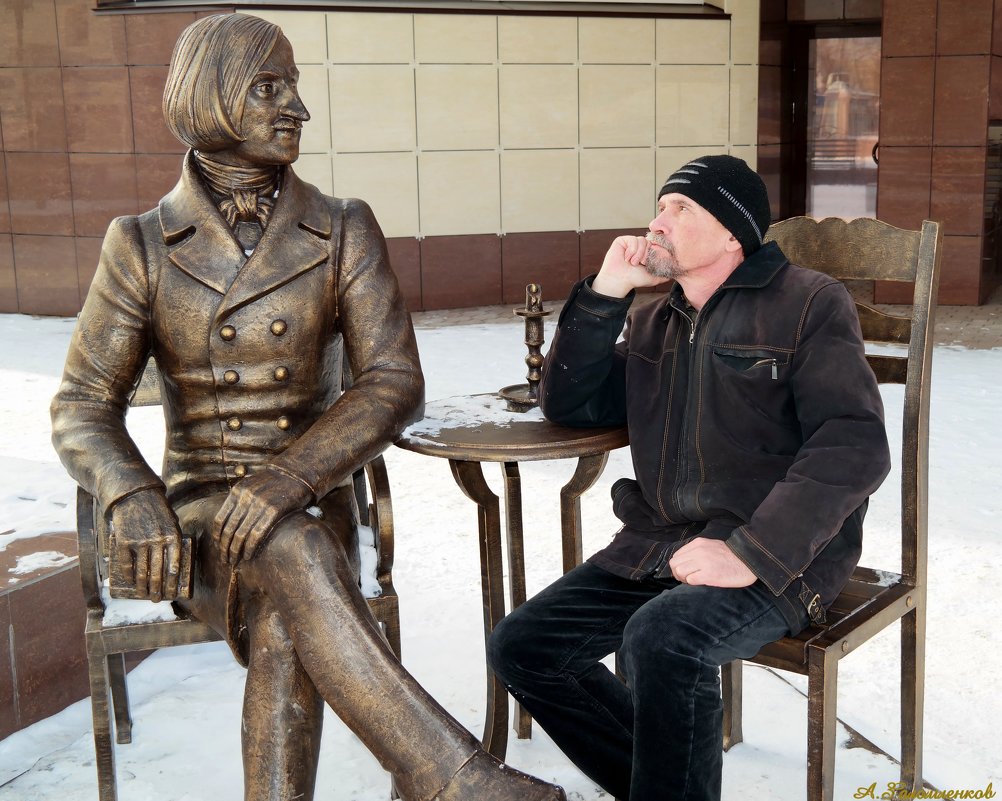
point(149, 560)
point(711, 563)
point(625, 268)
point(252, 509)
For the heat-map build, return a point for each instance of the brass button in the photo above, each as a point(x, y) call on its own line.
point(283, 423)
point(279, 327)
point(281, 373)
point(231, 376)
point(234, 424)
point(227, 332)
point(240, 471)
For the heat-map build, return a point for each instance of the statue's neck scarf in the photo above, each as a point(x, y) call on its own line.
point(248, 193)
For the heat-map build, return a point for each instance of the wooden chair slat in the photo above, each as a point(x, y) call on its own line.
point(879, 326)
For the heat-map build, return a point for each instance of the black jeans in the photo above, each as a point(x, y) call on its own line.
point(658, 735)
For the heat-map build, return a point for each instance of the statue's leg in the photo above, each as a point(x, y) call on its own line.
point(283, 712)
point(304, 571)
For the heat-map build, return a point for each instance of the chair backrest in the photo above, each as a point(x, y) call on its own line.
point(863, 250)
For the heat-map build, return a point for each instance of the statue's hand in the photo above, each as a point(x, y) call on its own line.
point(252, 509)
point(148, 558)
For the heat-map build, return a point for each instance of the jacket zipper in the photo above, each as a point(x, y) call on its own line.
point(682, 475)
point(773, 362)
point(692, 325)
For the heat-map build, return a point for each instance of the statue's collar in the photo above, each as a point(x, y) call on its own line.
point(189, 206)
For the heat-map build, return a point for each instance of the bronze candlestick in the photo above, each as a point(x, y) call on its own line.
point(523, 397)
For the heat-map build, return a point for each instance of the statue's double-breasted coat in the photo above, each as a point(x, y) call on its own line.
point(248, 348)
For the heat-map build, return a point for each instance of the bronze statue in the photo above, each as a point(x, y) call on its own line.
point(241, 285)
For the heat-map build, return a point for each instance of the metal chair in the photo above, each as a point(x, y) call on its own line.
point(107, 643)
point(867, 249)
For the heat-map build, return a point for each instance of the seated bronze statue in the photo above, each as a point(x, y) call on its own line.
point(241, 284)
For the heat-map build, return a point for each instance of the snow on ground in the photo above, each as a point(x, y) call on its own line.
point(186, 701)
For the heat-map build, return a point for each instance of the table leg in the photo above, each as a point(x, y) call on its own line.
point(516, 567)
point(470, 478)
point(588, 470)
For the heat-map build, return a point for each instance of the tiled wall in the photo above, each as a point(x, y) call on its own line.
point(941, 83)
point(83, 141)
point(487, 144)
point(493, 149)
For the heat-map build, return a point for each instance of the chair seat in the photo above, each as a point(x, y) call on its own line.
point(870, 600)
point(123, 638)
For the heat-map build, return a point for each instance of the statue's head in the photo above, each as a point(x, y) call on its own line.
point(231, 91)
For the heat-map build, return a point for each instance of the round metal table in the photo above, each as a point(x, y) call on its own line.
point(470, 430)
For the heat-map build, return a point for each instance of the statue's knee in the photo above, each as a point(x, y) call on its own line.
point(301, 541)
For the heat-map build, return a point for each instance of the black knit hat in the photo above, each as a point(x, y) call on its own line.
point(731, 191)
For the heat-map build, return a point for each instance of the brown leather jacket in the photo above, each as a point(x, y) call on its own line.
point(248, 348)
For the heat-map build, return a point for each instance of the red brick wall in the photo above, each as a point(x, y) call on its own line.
point(83, 140)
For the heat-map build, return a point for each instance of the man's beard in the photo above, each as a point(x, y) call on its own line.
point(661, 261)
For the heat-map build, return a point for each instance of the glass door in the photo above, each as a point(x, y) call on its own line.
point(842, 124)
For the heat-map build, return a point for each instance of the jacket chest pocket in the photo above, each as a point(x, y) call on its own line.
point(749, 364)
point(748, 387)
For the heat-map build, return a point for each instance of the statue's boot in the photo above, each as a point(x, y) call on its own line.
point(484, 778)
point(305, 574)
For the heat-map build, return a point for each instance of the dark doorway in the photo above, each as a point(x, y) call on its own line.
point(844, 73)
point(832, 105)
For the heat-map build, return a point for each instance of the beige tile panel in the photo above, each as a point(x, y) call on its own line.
point(693, 105)
point(457, 106)
point(617, 105)
point(747, 152)
point(615, 41)
point(459, 193)
point(745, 29)
point(314, 91)
point(693, 41)
point(537, 40)
point(616, 188)
point(744, 105)
point(305, 30)
point(360, 38)
point(372, 107)
point(387, 182)
point(315, 168)
point(539, 106)
point(539, 190)
point(455, 38)
point(669, 159)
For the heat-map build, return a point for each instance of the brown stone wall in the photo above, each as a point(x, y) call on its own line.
point(938, 62)
point(82, 140)
point(43, 661)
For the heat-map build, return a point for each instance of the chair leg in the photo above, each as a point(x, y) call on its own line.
point(731, 694)
point(822, 694)
point(120, 698)
point(104, 748)
point(912, 696)
point(391, 628)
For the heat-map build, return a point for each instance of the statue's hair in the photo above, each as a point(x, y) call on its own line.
point(214, 61)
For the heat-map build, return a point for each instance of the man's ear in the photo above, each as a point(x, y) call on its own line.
point(732, 244)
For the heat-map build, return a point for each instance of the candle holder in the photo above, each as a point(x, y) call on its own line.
point(523, 397)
